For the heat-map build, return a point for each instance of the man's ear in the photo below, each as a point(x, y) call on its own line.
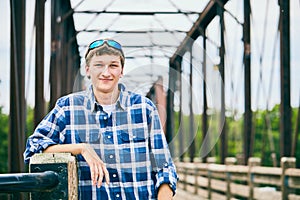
point(121, 75)
point(87, 71)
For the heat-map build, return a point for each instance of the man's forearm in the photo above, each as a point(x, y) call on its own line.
point(165, 192)
point(74, 149)
point(97, 167)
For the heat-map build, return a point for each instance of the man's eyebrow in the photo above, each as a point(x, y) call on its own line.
point(115, 61)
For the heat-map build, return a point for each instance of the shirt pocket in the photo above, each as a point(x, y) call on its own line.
point(88, 136)
point(137, 135)
point(135, 145)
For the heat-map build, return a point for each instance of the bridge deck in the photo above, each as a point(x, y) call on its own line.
point(182, 195)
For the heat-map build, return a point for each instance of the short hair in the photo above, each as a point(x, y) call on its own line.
point(105, 50)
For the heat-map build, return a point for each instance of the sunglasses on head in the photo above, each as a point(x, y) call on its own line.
point(98, 43)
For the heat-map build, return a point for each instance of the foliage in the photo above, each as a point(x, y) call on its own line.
point(29, 122)
point(3, 141)
point(266, 136)
point(266, 129)
point(4, 129)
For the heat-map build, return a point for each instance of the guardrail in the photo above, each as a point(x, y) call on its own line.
point(32, 182)
point(230, 181)
point(52, 176)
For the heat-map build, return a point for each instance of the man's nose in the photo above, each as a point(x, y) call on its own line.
point(105, 70)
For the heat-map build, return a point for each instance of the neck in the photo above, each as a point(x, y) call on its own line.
point(108, 98)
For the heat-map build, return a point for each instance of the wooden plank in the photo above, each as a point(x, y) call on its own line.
point(204, 174)
point(294, 182)
point(294, 197)
point(203, 193)
point(265, 193)
point(180, 185)
point(218, 175)
point(292, 172)
point(194, 177)
point(237, 169)
point(190, 179)
point(268, 180)
point(239, 190)
point(190, 188)
point(266, 170)
point(238, 177)
point(218, 185)
point(181, 194)
point(202, 181)
point(217, 168)
point(217, 196)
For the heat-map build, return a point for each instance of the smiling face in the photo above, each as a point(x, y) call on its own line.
point(104, 71)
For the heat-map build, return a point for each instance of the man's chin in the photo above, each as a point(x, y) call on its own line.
point(106, 88)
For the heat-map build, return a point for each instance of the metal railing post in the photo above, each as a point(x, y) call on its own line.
point(64, 164)
point(286, 162)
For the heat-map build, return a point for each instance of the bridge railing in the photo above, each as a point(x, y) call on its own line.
point(28, 182)
point(230, 181)
point(52, 176)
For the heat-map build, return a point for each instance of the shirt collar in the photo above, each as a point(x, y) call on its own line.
point(121, 101)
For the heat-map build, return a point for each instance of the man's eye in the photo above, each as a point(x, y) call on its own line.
point(98, 65)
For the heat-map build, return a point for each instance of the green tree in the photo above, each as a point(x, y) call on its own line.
point(3, 141)
point(4, 129)
point(29, 121)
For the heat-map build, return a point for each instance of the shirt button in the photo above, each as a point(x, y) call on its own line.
point(111, 156)
point(117, 195)
point(109, 137)
point(114, 175)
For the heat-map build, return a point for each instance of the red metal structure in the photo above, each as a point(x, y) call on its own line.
point(66, 54)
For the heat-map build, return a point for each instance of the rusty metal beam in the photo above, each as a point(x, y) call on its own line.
point(54, 79)
point(192, 134)
point(223, 136)
point(174, 68)
point(247, 85)
point(39, 110)
point(285, 105)
point(180, 116)
point(199, 27)
point(144, 13)
point(64, 65)
point(16, 136)
point(207, 15)
point(130, 32)
point(205, 136)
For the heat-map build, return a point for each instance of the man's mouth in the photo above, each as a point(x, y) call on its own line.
point(105, 79)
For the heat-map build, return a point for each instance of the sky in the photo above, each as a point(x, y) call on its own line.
point(30, 59)
point(4, 55)
point(265, 93)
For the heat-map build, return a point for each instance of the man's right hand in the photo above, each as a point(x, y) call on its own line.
point(97, 166)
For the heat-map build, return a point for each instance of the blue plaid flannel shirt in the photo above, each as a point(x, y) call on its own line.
point(130, 142)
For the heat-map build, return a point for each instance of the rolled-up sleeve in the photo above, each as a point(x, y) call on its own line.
point(165, 170)
point(167, 175)
point(47, 133)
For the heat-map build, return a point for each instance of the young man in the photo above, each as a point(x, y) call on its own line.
point(115, 134)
